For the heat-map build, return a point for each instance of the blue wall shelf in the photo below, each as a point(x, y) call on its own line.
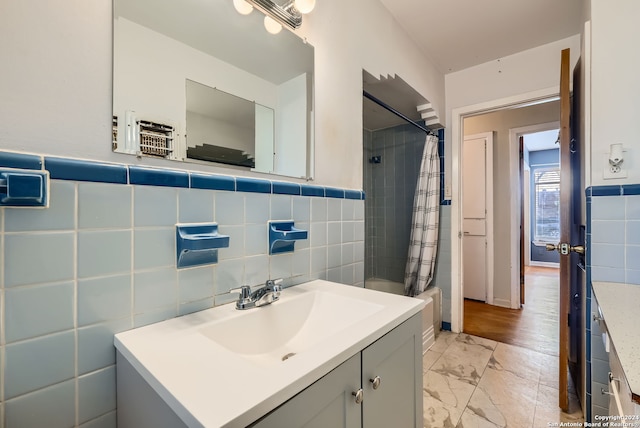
point(24, 188)
point(198, 244)
point(282, 236)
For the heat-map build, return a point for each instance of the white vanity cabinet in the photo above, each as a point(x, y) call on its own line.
point(296, 362)
point(381, 386)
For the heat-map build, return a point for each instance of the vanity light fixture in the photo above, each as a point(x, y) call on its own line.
point(304, 6)
point(289, 14)
point(272, 25)
point(242, 7)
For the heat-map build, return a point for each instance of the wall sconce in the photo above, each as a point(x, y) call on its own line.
point(289, 14)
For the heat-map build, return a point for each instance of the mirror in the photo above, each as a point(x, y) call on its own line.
point(196, 81)
point(227, 129)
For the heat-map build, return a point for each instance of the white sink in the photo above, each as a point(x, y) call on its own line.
point(274, 333)
point(203, 363)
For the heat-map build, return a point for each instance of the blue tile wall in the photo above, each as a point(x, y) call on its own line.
point(613, 249)
point(390, 186)
point(101, 260)
point(614, 234)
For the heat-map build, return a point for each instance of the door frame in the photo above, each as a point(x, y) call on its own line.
point(514, 135)
point(457, 137)
point(488, 137)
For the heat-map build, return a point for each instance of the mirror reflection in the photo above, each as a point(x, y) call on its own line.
point(227, 129)
point(196, 81)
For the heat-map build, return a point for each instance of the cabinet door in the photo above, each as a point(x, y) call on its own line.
point(326, 403)
point(396, 360)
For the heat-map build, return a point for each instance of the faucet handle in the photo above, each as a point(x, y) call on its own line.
point(244, 291)
point(274, 283)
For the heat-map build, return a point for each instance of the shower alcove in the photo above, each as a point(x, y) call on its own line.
point(392, 153)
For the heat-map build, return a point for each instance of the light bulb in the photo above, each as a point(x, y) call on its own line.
point(304, 6)
point(242, 7)
point(271, 25)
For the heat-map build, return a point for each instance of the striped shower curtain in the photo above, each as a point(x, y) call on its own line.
point(423, 243)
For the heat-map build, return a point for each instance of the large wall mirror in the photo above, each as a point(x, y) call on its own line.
point(195, 81)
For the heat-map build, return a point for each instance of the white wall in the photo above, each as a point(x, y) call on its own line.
point(55, 84)
point(525, 72)
point(615, 86)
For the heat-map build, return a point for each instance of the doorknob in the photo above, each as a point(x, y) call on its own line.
point(564, 248)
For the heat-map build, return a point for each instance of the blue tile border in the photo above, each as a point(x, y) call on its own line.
point(158, 177)
point(352, 194)
point(20, 160)
point(631, 189)
point(72, 169)
point(61, 168)
point(332, 192)
point(213, 182)
point(254, 185)
point(285, 188)
point(310, 190)
point(606, 190)
point(614, 190)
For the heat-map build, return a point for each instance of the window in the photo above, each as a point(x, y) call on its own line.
point(547, 204)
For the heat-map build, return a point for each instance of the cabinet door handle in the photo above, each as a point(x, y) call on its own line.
point(358, 395)
point(375, 382)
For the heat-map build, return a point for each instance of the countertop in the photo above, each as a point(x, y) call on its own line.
point(619, 305)
point(201, 381)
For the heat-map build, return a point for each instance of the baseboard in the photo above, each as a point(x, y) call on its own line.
point(428, 339)
point(502, 302)
point(544, 264)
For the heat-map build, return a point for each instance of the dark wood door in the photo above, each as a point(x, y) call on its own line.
point(565, 221)
point(522, 243)
point(577, 262)
point(571, 245)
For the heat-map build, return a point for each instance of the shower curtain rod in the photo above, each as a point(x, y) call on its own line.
point(396, 112)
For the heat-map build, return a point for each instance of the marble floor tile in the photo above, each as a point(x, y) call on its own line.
point(464, 360)
point(477, 418)
point(443, 340)
point(504, 396)
point(475, 340)
point(444, 400)
point(549, 370)
point(521, 362)
point(478, 383)
point(547, 410)
point(428, 359)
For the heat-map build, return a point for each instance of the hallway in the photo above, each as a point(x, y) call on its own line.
point(535, 326)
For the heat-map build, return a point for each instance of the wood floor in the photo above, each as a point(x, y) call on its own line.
point(534, 326)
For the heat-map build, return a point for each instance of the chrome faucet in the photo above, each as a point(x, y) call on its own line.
point(264, 295)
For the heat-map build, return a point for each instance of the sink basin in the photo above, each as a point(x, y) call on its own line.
point(223, 367)
point(274, 333)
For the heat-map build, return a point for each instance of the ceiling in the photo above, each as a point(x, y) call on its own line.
point(544, 140)
point(458, 34)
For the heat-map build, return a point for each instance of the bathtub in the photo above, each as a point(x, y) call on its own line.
point(431, 314)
